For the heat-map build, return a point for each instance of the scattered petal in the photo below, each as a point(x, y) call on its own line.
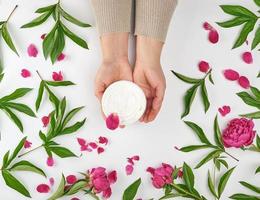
point(81, 141)
point(136, 157)
point(61, 57)
point(51, 181)
point(213, 36)
point(71, 179)
point(75, 198)
point(27, 144)
point(102, 140)
point(203, 66)
point(244, 82)
point(43, 36)
point(112, 177)
point(231, 74)
point(25, 73)
point(129, 169)
point(247, 57)
point(207, 26)
point(57, 76)
point(224, 110)
point(43, 188)
point(93, 145)
point(85, 148)
point(45, 120)
point(32, 50)
point(100, 150)
point(50, 161)
point(112, 121)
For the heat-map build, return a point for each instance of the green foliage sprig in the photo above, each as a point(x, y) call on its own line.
point(131, 190)
point(54, 42)
point(216, 149)
point(191, 93)
point(7, 105)
point(9, 166)
point(245, 17)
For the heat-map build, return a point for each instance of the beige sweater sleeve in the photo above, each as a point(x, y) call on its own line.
point(152, 17)
point(112, 15)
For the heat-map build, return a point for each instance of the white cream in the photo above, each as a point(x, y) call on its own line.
point(126, 99)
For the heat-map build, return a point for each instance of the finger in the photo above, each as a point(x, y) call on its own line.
point(99, 90)
point(148, 109)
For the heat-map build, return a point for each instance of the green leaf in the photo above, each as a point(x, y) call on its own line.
point(188, 99)
point(14, 118)
point(223, 181)
point(39, 96)
point(240, 196)
point(193, 147)
point(59, 83)
point(130, 191)
point(188, 177)
point(76, 187)
point(16, 94)
point(1, 75)
point(256, 40)
point(5, 159)
point(16, 151)
point(62, 152)
point(74, 37)
point(170, 196)
point(204, 95)
point(250, 186)
point(26, 166)
point(248, 27)
point(256, 92)
point(20, 107)
point(210, 78)
point(48, 43)
point(211, 185)
point(207, 158)
point(238, 11)
point(249, 100)
point(73, 128)
point(199, 132)
point(258, 141)
point(13, 183)
point(257, 170)
point(72, 19)
point(223, 162)
point(37, 21)
point(233, 22)
point(70, 115)
point(186, 79)
point(217, 134)
point(257, 2)
point(60, 190)
point(45, 9)
point(6, 36)
point(59, 44)
point(254, 115)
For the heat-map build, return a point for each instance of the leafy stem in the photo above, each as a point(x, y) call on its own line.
point(231, 156)
point(34, 149)
point(176, 187)
point(12, 13)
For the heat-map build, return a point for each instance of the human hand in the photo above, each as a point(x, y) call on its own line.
point(149, 76)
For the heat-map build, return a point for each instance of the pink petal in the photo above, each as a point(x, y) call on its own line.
point(85, 148)
point(213, 36)
point(224, 110)
point(57, 76)
point(43, 36)
point(247, 57)
point(112, 121)
point(102, 140)
point(244, 82)
point(61, 57)
point(100, 150)
point(81, 141)
point(231, 74)
point(136, 157)
point(50, 161)
point(207, 26)
point(112, 177)
point(43, 188)
point(51, 181)
point(45, 121)
point(203, 66)
point(71, 179)
point(130, 160)
point(93, 145)
point(32, 50)
point(25, 73)
point(27, 144)
point(129, 169)
point(74, 198)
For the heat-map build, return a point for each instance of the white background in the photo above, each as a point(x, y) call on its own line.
point(185, 46)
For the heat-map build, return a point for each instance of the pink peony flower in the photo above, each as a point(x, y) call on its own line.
point(203, 66)
point(45, 120)
point(102, 140)
point(101, 181)
point(25, 73)
point(244, 82)
point(50, 161)
point(57, 76)
point(61, 57)
point(238, 133)
point(224, 110)
point(231, 74)
point(161, 175)
point(27, 144)
point(112, 121)
point(43, 188)
point(129, 169)
point(247, 57)
point(71, 179)
point(32, 50)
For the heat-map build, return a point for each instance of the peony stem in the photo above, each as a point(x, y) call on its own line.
point(29, 151)
point(232, 156)
point(39, 75)
point(11, 13)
